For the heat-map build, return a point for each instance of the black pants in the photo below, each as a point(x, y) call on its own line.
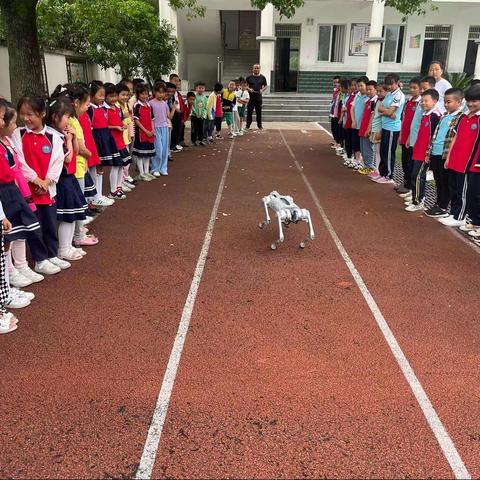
point(407, 165)
point(197, 129)
point(473, 197)
point(334, 128)
point(419, 180)
point(176, 126)
point(254, 103)
point(181, 136)
point(47, 246)
point(355, 140)
point(440, 174)
point(457, 184)
point(348, 142)
point(388, 148)
point(218, 124)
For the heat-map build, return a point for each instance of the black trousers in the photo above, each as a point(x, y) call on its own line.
point(473, 197)
point(419, 180)
point(407, 166)
point(47, 246)
point(440, 174)
point(176, 126)
point(197, 129)
point(457, 184)
point(348, 142)
point(218, 124)
point(334, 128)
point(388, 148)
point(355, 140)
point(254, 103)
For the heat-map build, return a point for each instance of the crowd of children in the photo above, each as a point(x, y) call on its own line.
point(437, 128)
point(52, 167)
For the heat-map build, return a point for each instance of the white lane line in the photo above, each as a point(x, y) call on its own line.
point(436, 425)
point(324, 129)
point(150, 449)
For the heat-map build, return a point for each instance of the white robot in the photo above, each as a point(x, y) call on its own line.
point(287, 212)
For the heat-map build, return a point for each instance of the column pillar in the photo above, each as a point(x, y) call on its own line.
point(267, 43)
point(375, 39)
point(477, 63)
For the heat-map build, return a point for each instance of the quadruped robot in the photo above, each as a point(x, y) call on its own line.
point(287, 212)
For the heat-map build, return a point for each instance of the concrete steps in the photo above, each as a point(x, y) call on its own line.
point(296, 107)
point(238, 63)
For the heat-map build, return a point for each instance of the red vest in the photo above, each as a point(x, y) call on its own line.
point(408, 114)
point(466, 149)
point(144, 114)
point(115, 119)
point(348, 105)
point(84, 121)
point(98, 117)
point(367, 115)
point(425, 133)
point(7, 164)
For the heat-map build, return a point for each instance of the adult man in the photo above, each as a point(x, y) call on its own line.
point(257, 84)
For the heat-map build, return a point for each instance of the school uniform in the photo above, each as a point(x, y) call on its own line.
point(340, 129)
point(106, 147)
point(390, 132)
point(348, 126)
point(366, 146)
point(358, 109)
point(218, 114)
point(437, 161)
point(464, 171)
point(71, 203)
point(41, 155)
point(115, 119)
point(334, 113)
point(407, 165)
point(25, 224)
point(420, 153)
point(176, 122)
point(143, 145)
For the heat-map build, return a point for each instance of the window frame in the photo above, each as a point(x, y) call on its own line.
point(330, 46)
point(402, 44)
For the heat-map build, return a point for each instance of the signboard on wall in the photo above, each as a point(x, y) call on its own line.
point(358, 39)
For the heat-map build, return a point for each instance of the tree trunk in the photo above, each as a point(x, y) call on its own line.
point(23, 50)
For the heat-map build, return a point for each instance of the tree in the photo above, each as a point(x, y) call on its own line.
point(23, 50)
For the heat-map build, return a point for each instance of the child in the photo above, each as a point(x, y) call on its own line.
point(199, 114)
point(235, 115)
point(420, 154)
point(106, 147)
point(176, 120)
point(117, 130)
point(161, 113)
point(40, 151)
point(453, 99)
point(341, 98)
point(357, 112)
point(333, 112)
point(243, 97)
point(228, 101)
point(348, 124)
point(211, 112)
point(376, 129)
point(408, 114)
point(366, 146)
point(188, 106)
point(464, 167)
point(71, 203)
point(219, 114)
point(144, 143)
point(123, 90)
point(391, 111)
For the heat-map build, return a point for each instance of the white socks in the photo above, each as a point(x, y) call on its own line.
point(114, 178)
point(140, 165)
point(65, 237)
point(143, 165)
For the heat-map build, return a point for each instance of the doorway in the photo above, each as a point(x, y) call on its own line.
point(436, 45)
point(472, 49)
point(287, 57)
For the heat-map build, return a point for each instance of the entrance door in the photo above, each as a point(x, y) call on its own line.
point(470, 57)
point(435, 47)
point(287, 57)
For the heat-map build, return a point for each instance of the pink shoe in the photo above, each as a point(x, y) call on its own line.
point(84, 230)
point(88, 241)
point(377, 179)
point(385, 180)
point(374, 174)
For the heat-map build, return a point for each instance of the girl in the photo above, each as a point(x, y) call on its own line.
point(143, 145)
point(107, 150)
point(116, 127)
point(71, 204)
point(40, 151)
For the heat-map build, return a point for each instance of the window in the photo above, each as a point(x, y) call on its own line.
point(331, 43)
point(76, 70)
point(392, 48)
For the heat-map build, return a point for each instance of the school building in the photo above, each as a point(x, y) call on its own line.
point(300, 54)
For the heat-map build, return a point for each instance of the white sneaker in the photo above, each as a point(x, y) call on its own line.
point(103, 202)
point(415, 208)
point(17, 279)
point(179, 147)
point(16, 301)
point(156, 174)
point(88, 220)
point(81, 251)
point(31, 275)
point(406, 195)
point(47, 268)
point(62, 264)
point(153, 177)
point(239, 134)
point(28, 295)
point(126, 188)
point(164, 174)
point(451, 222)
point(146, 178)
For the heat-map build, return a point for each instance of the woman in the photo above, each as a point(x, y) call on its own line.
point(435, 70)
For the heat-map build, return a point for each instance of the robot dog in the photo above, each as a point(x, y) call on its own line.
point(287, 212)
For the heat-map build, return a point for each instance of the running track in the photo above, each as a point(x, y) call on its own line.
point(285, 371)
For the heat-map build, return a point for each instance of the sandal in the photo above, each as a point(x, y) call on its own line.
point(71, 255)
point(8, 323)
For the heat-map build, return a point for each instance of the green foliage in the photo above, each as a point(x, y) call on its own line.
point(458, 80)
point(411, 7)
point(286, 8)
point(192, 8)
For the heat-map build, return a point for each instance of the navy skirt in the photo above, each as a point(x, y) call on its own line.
point(71, 203)
point(126, 157)
point(24, 222)
point(90, 190)
point(107, 149)
point(142, 149)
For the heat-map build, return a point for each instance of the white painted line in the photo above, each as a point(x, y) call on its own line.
point(324, 129)
point(436, 425)
point(150, 449)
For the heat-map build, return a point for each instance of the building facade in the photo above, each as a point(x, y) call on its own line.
point(350, 37)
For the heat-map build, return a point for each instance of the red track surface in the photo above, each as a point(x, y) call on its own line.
point(284, 372)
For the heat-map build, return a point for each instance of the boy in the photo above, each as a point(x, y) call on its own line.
point(408, 114)
point(228, 101)
point(341, 98)
point(420, 155)
point(199, 114)
point(333, 115)
point(366, 146)
point(175, 79)
point(453, 104)
point(348, 129)
point(190, 98)
point(211, 112)
point(175, 121)
point(464, 166)
point(243, 98)
point(391, 111)
point(357, 113)
point(236, 116)
point(376, 129)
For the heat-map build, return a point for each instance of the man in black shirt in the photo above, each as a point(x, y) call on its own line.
point(257, 84)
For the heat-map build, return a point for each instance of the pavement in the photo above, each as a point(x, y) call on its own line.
point(182, 346)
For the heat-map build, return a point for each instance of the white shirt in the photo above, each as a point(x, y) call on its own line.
point(243, 95)
point(441, 86)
